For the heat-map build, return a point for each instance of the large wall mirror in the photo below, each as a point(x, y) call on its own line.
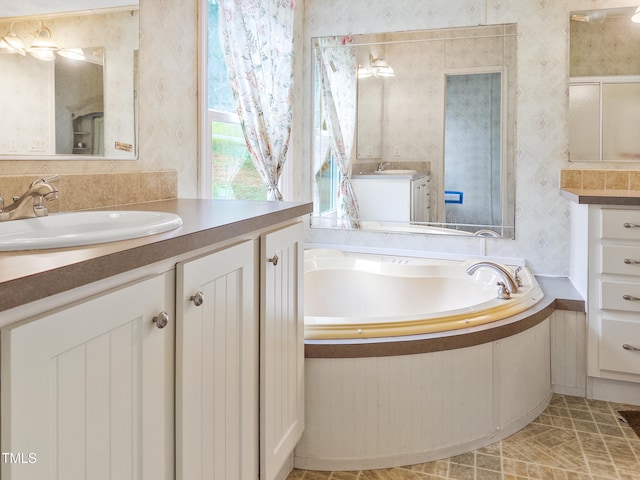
point(69, 80)
point(604, 89)
point(415, 131)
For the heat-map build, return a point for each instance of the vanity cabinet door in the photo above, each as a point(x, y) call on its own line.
point(217, 365)
point(87, 390)
point(281, 347)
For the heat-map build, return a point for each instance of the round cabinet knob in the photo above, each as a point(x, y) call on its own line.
point(197, 299)
point(161, 319)
point(274, 260)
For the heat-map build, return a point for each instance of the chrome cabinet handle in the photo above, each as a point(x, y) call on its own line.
point(161, 320)
point(274, 260)
point(630, 261)
point(631, 348)
point(197, 299)
point(631, 225)
point(631, 298)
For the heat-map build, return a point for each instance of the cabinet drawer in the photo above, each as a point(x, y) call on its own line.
point(621, 296)
point(617, 344)
point(624, 259)
point(624, 224)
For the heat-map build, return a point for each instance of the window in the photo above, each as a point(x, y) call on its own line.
point(229, 173)
point(328, 176)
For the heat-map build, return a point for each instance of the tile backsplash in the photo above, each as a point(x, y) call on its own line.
point(600, 179)
point(81, 191)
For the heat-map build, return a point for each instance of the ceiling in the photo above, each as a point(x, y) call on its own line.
point(23, 8)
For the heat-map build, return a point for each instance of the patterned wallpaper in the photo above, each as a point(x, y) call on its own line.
point(542, 216)
point(169, 113)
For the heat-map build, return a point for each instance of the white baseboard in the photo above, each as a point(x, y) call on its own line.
point(613, 390)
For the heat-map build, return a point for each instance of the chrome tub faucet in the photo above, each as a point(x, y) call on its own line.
point(31, 203)
point(510, 282)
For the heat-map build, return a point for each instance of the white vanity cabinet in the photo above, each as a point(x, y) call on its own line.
point(392, 198)
point(218, 365)
point(614, 293)
point(105, 388)
point(238, 357)
point(87, 389)
point(281, 347)
point(420, 199)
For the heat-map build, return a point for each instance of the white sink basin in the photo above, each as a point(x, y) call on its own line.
point(72, 229)
point(396, 172)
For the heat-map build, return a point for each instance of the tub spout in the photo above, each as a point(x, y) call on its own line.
point(509, 280)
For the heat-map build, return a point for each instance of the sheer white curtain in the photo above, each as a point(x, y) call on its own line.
point(338, 76)
point(258, 46)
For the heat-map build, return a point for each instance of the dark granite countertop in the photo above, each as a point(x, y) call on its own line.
point(27, 276)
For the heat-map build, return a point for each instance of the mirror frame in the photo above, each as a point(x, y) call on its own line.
point(127, 155)
point(508, 64)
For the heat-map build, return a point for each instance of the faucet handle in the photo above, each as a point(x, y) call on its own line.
point(503, 293)
point(516, 277)
point(51, 179)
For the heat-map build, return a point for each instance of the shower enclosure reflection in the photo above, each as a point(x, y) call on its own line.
point(419, 123)
point(604, 89)
point(472, 146)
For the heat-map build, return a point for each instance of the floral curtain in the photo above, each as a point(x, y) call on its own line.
point(258, 47)
point(337, 66)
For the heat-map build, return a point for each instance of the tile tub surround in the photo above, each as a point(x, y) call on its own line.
point(82, 191)
point(573, 439)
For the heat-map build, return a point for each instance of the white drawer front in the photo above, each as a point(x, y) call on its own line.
point(617, 344)
point(624, 224)
point(624, 260)
point(621, 296)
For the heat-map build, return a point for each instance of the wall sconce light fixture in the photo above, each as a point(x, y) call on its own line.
point(42, 47)
point(12, 41)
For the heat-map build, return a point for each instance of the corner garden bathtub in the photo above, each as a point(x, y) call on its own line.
point(365, 296)
point(409, 360)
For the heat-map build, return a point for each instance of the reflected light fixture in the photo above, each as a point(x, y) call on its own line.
point(593, 16)
point(72, 53)
point(636, 16)
point(363, 72)
point(380, 67)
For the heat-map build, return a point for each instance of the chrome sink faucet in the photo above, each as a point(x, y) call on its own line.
point(381, 166)
point(510, 281)
point(31, 203)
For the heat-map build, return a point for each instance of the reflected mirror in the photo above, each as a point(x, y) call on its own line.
point(604, 89)
point(415, 131)
point(69, 83)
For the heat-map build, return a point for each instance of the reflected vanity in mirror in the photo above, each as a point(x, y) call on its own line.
point(69, 84)
point(604, 89)
point(415, 131)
